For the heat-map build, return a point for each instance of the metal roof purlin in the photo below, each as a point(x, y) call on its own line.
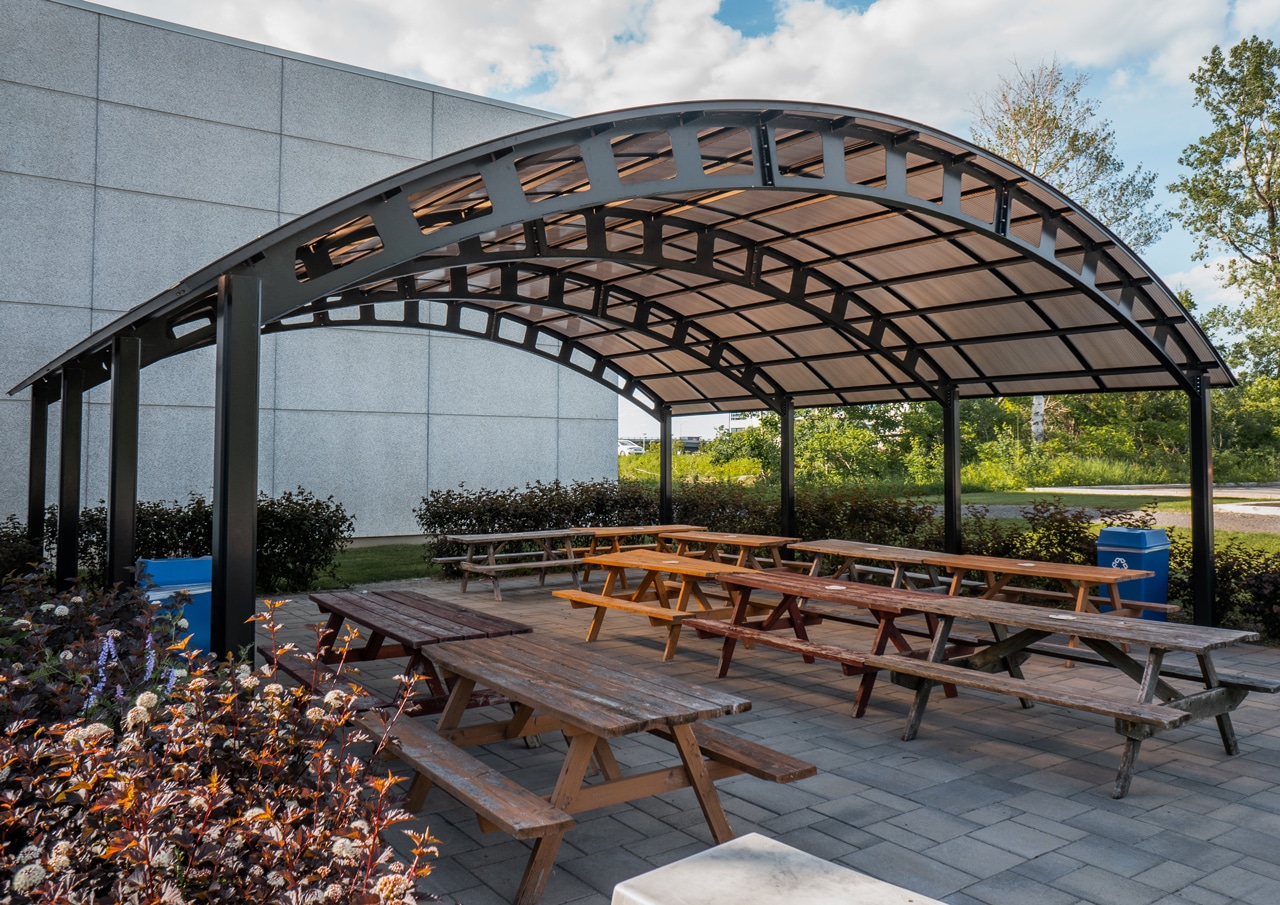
point(695, 255)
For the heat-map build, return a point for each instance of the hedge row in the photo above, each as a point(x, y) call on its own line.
point(299, 538)
point(1248, 580)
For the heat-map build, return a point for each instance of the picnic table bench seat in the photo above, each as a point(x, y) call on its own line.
point(745, 756)
point(312, 673)
point(836, 612)
point(1163, 716)
point(657, 613)
point(498, 802)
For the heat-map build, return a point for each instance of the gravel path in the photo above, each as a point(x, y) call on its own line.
point(1225, 518)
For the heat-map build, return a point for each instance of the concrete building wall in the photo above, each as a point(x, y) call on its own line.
point(133, 152)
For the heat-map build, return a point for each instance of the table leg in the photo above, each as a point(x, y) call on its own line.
point(936, 650)
point(543, 856)
point(700, 780)
point(1146, 693)
point(493, 576)
point(1225, 729)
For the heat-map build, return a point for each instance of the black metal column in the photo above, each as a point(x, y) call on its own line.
point(38, 462)
point(235, 464)
point(952, 507)
point(666, 496)
point(1203, 580)
point(788, 466)
point(67, 559)
point(122, 478)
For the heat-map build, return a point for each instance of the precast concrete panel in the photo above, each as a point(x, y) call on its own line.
point(314, 172)
point(184, 380)
point(46, 133)
point(28, 332)
point(182, 157)
point(15, 428)
point(45, 237)
point(491, 452)
point(461, 123)
point(352, 370)
point(587, 449)
point(49, 45)
point(374, 463)
point(169, 71)
point(342, 107)
point(146, 243)
point(581, 397)
point(474, 377)
point(175, 456)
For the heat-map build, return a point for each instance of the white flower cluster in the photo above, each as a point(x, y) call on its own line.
point(61, 612)
point(147, 699)
point(137, 716)
point(89, 733)
point(28, 877)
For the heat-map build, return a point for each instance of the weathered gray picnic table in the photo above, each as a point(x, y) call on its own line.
point(487, 555)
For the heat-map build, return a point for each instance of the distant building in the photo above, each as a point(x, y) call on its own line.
point(133, 152)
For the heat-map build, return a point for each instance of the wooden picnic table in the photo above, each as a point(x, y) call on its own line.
point(1079, 581)
point(593, 700)
point(614, 535)
point(1214, 695)
point(787, 613)
point(664, 573)
point(745, 544)
point(553, 549)
point(402, 624)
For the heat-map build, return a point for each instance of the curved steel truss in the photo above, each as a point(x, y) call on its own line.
point(724, 257)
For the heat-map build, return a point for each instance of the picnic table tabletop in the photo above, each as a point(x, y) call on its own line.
point(746, 544)
point(505, 537)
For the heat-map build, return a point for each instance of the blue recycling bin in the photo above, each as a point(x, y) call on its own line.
point(162, 579)
point(1138, 548)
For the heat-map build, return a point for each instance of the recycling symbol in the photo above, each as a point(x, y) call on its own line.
point(1119, 563)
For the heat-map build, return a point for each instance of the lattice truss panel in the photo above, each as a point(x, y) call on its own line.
point(724, 258)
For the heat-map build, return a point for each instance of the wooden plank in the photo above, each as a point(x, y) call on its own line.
point(533, 564)
point(778, 641)
point(747, 756)
point(511, 808)
point(509, 536)
point(1262, 684)
point(851, 616)
point(582, 599)
point(1159, 715)
point(452, 620)
point(580, 687)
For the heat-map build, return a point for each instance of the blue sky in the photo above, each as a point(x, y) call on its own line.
point(920, 59)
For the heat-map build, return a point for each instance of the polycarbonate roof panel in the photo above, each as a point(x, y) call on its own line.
point(762, 249)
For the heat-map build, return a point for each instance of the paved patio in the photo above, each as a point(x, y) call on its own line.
point(990, 804)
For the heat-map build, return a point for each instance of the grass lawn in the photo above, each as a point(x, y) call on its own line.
point(386, 562)
point(1085, 500)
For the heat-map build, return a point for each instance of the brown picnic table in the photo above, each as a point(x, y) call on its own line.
point(612, 537)
point(593, 700)
point(745, 546)
point(399, 624)
point(487, 554)
point(671, 583)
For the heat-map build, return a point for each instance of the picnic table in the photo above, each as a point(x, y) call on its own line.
point(553, 549)
point(1085, 587)
point(614, 535)
point(593, 700)
point(1214, 694)
point(664, 573)
point(398, 624)
point(745, 544)
point(787, 613)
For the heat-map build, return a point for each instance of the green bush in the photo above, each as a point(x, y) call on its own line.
point(299, 536)
point(129, 775)
point(299, 539)
point(17, 554)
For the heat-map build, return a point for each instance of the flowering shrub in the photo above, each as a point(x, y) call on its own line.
point(178, 778)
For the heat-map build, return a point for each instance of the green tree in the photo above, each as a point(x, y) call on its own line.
point(1040, 119)
point(1231, 197)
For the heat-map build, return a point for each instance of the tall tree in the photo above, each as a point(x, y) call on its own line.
point(1231, 198)
point(1041, 120)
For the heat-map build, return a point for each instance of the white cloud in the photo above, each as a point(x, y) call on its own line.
point(1206, 288)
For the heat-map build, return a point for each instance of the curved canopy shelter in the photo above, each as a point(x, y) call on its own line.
point(709, 257)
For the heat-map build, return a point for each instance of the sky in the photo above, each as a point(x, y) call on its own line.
point(925, 60)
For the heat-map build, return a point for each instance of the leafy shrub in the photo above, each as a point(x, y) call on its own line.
point(203, 782)
point(299, 536)
point(17, 554)
point(299, 539)
point(1246, 582)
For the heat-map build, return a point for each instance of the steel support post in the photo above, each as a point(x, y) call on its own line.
point(952, 507)
point(235, 464)
point(38, 462)
point(666, 496)
point(1202, 573)
point(122, 479)
point(67, 558)
point(788, 466)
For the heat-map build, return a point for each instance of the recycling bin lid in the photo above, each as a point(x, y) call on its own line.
point(1133, 538)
